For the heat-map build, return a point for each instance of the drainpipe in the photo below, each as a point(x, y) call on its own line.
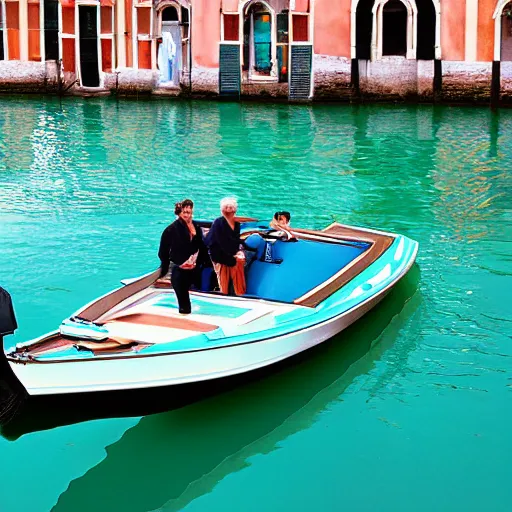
point(117, 84)
point(59, 77)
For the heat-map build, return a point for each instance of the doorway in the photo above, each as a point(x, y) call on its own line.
point(88, 40)
point(394, 40)
point(257, 49)
point(170, 51)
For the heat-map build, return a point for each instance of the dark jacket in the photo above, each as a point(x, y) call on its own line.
point(7, 319)
point(176, 245)
point(223, 242)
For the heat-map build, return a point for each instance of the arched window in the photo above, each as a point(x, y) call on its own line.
point(258, 28)
point(503, 30)
point(388, 13)
point(395, 27)
point(427, 30)
point(394, 21)
point(173, 42)
point(170, 13)
point(363, 29)
point(506, 32)
point(259, 35)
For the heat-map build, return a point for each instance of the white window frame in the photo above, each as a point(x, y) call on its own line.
point(290, 27)
point(90, 3)
point(63, 35)
point(288, 44)
point(4, 29)
point(42, 44)
point(497, 16)
point(309, 42)
point(238, 42)
point(109, 35)
point(353, 11)
point(378, 26)
point(135, 29)
point(177, 4)
point(161, 7)
point(229, 13)
point(243, 7)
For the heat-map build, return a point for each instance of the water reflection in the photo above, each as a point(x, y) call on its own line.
point(468, 177)
point(178, 455)
point(265, 154)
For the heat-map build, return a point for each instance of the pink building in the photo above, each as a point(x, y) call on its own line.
point(452, 50)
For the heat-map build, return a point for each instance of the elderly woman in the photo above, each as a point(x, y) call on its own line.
point(182, 248)
point(224, 244)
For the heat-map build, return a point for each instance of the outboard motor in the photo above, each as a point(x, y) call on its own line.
point(11, 391)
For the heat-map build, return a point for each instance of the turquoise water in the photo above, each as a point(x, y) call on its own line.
point(410, 409)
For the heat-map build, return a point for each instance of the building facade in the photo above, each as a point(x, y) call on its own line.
point(424, 50)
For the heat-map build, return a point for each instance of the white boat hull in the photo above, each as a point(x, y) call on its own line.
point(124, 373)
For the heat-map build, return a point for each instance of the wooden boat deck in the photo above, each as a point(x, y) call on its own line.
point(379, 243)
point(151, 317)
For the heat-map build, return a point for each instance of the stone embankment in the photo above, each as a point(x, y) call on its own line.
point(334, 79)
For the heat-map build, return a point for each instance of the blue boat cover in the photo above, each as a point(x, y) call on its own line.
point(305, 265)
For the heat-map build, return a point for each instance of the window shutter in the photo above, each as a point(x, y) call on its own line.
point(300, 77)
point(229, 70)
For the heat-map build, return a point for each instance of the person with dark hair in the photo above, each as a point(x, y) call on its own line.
point(182, 249)
point(282, 219)
point(281, 223)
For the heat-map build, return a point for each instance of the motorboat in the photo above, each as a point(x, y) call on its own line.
point(303, 287)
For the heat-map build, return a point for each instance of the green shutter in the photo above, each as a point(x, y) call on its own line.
point(300, 75)
point(229, 70)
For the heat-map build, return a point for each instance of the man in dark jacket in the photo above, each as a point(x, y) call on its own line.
point(182, 248)
point(8, 322)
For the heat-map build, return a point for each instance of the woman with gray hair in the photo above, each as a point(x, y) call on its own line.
point(224, 244)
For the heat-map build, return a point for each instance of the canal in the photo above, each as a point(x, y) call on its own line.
point(409, 409)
